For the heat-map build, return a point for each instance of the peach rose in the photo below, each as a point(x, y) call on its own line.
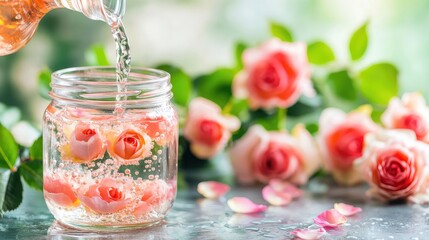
point(274, 75)
point(395, 164)
point(341, 139)
point(207, 129)
point(130, 145)
point(106, 197)
point(409, 112)
point(59, 192)
point(261, 156)
point(86, 144)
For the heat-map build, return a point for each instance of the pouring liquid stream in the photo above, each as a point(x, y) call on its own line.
point(123, 65)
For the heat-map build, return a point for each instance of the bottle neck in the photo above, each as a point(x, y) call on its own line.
point(109, 11)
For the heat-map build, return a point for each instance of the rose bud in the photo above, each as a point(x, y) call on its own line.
point(260, 156)
point(130, 145)
point(275, 74)
point(341, 139)
point(207, 129)
point(409, 112)
point(86, 144)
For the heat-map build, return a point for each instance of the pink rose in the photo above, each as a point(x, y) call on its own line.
point(395, 164)
point(86, 144)
point(261, 156)
point(154, 194)
point(207, 129)
point(106, 197)
point(274, 75)
point(409, 112)
point(130, 145)
point(59, 192)
point(341, 139)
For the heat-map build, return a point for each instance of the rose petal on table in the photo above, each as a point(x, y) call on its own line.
point(212, 189)
point(346, 209)
point(285, 187)
point(330, 218)
point(275, 198)
point(308, 234)
point(245, 205)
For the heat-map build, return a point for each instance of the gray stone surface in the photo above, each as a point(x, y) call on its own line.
point(195, 218)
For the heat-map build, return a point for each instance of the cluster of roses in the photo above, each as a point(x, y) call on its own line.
point(110, 195)
point(87, 143)
point(352, 147)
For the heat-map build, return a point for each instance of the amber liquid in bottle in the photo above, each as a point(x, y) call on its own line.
point(18, 22)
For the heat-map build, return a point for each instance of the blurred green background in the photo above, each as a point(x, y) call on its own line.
point(199, 36)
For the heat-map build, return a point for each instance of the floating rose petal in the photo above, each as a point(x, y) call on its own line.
point(346, 210)
point(275, 198)
point(309, 234)
point(330, 218)
point(212, 189)
point(285, 187)
point(245, 205)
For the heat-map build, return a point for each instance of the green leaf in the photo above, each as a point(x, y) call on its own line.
point(342, 85)
point(312, 128)
point(32, 172)
point(376, 115)
point(216, 86)
point(305, 105)
point(36, 150)
point(281, 32)
point(8, 149)
point(358, 43)
point(239, 49)
point(182, 84)
point(379, 83)
point(320, 53)
point(12, 195)
point(96, 56)
point(44, 83)
point(240, 108)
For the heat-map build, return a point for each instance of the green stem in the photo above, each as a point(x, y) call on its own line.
point(281, 119)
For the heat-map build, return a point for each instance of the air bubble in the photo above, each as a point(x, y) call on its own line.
point(154, 158)
point(136, 172)
point(159, 151)
point(151, 177)
point(127, 171)
point(61, 165)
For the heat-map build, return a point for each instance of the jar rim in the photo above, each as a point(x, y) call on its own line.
point(97, 85)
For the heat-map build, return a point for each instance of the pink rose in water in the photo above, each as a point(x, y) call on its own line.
point(130, 145)
point(341, 139)
point(86, 144)
point(261, 156)
point(153, 195)
point(207, 129)
point(395, 165)
point(106, 197)
point(274, 75)
point(59, 192)
point(409, 112)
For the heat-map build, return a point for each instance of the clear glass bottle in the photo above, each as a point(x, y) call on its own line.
point(106, 169)
point(20, 18)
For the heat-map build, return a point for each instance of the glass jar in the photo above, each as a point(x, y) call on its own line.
point(110, 164)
